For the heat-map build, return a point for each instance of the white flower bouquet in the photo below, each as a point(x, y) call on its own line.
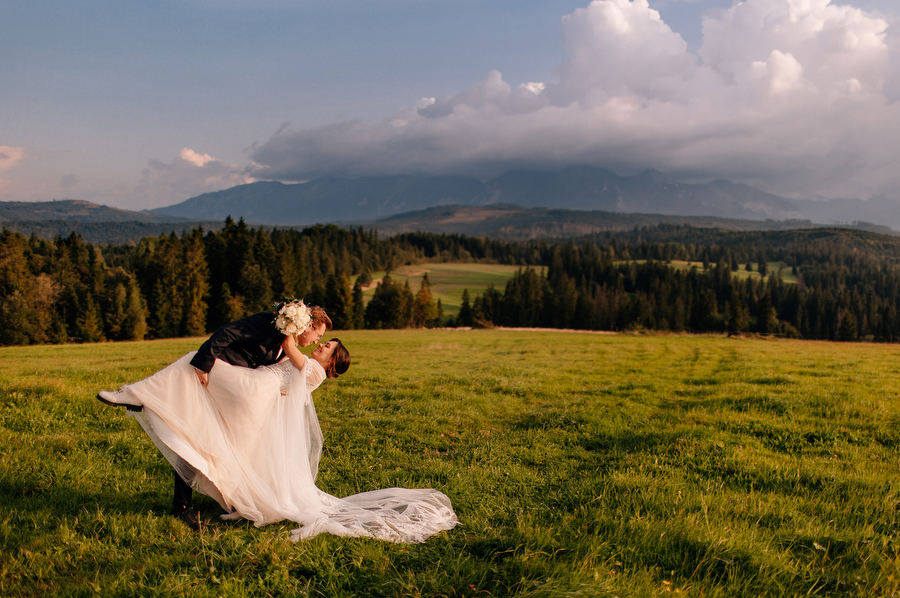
point(292, 316)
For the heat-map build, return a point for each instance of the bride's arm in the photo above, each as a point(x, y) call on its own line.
point(293, 352)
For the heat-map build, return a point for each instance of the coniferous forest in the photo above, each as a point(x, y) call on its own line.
point(843, 284)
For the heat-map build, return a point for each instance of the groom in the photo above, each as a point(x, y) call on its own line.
point(251, 342)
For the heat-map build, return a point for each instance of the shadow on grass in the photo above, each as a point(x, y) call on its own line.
point(633, 441)
point(48, 502)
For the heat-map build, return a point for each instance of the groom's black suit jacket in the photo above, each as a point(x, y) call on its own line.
point(250, 342)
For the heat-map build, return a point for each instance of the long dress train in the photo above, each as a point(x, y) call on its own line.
point(251, 441)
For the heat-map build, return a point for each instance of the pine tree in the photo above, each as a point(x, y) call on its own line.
point(390, 305)
point(424, 309)
point(847, 328)
point(15, 326)
point(359, 306)
point(465, 316)
point(736, 315)
point(405, 301)
point(439, 315)
point(231, 307)
point(114, 313)
point(339, 302)
point(766, 319)
point(90, 324)
point(134, 324)
point(763, 267)
point(238, 243)
point(377, 312)
point(166, 298)
point(193, 285)
point(255, 288)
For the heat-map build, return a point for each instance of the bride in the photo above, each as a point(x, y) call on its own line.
point(250, 439)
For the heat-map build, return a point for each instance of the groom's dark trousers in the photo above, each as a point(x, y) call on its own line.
point(250, 342)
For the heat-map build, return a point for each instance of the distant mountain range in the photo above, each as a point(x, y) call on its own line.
point(500, 221)
point(574, 188)
point(518, 204)
point(510, 222)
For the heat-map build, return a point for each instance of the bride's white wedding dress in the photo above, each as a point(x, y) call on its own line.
point(251, 441)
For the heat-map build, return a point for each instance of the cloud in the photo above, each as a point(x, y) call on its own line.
point(795, 96)
point(192, 157)
point(190, 174)
point(10, 156)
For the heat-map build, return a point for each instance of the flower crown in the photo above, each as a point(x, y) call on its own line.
point(292, 316)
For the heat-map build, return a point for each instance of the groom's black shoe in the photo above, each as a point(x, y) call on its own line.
point(114, 399)
point(187, 517)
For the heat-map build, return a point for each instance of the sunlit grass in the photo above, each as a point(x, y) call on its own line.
point(578, 463)
point(781, 270)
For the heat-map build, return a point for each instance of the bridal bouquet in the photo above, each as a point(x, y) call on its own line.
point(292, 316)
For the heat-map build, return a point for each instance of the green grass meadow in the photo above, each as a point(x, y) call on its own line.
point(780, 269)
point(449, 280)
point(579, 465)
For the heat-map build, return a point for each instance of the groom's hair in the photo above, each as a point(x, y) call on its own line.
point(340, 360)
point(318, 314)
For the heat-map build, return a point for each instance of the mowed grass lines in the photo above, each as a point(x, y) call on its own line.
point(449, 280)
point(579, 464)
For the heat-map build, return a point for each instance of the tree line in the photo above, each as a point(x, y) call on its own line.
point(844, 284)
point(839, 289)
point(68, 290)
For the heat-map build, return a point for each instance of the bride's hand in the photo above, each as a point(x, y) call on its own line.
point(203, 376)
point(290, 349)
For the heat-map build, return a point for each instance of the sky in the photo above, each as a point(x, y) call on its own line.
point(139, 105)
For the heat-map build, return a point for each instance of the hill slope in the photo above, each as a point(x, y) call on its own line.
point(75, 210)
point(511, 222)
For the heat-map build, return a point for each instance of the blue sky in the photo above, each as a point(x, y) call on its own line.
point(143, 104)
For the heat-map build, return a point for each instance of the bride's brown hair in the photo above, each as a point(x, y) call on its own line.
point(340, 360)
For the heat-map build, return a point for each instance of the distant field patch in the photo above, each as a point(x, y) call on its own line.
point(449, 280)
point(779, 269)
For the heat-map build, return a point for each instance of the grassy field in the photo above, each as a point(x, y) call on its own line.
point(780, 269)
point(448, 280)
point(579, 464)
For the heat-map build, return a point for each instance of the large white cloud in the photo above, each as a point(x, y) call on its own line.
point(795, 96)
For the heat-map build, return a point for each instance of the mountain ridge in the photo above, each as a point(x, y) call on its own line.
point(562, 203)
point(77, 210)
point(574, 187)
point(500, 221)
point(516, 223)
